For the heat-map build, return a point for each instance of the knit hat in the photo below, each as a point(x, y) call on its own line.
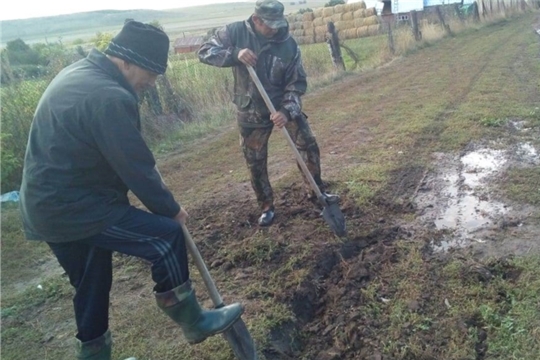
point(141, 44)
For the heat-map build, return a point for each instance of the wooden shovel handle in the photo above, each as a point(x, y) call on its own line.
point(203, 270)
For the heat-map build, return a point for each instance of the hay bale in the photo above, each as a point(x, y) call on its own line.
point(358, 22)
point(359, 14)
point(318, 21)
point(337, 17)
point(298, 25)
point(374, 29)
point(328, 11)
point(307, 25)
point(370, 12)
point(326, 20)
point(362, 31)
point(307, 16)
point(309, 32)
point(359, 5)
point(291, 27)
point(309, 39)
point(291, 18)
point(298, 32)
point(320, 38)
point(350, 33)
point(347, 16)
point(320, 30)
point(303, 40)
point(371, 20)
point(348, 7)
point(344, 25)
point(339, 9)
point(317, 13)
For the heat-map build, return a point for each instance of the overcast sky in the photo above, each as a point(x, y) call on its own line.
point(23, 9)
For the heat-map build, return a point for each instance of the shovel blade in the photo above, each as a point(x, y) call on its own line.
point(334, 218)
point(241, 341)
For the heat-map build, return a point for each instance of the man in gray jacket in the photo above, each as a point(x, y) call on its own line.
point(85, 151)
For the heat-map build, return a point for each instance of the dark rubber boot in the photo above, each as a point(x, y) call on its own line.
point(181, 305)
point(97, 349)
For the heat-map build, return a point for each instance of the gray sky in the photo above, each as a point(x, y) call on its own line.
point(23, 9)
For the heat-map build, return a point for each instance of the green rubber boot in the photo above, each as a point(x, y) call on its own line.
point(181, 305)
point(97, 349)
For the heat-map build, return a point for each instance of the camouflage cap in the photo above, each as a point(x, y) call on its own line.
point(271, 12)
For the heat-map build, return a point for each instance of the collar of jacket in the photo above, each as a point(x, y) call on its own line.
point(101, 60)
point(281, 36)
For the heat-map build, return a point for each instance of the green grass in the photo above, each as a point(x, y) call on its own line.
point(523, 185)
point(458, 307)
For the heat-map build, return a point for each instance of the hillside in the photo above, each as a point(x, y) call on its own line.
point(85, 25)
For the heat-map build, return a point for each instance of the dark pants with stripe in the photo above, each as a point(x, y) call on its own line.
point(88, 263)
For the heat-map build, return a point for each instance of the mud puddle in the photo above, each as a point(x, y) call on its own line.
point(458, 201)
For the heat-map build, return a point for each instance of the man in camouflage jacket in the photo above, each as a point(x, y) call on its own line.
point(263, 42)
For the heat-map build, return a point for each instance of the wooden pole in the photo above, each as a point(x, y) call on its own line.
point(476, 13)
point(333, 45)
point(459, 13)
point(441, 19)
point(414, 24)
point(391, 39)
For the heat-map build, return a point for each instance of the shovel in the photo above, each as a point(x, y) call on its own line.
point(331, 212)
point(237, 335)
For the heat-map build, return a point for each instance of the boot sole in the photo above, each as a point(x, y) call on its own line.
point(198, 341)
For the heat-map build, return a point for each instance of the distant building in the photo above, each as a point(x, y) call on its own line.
point(187, 44)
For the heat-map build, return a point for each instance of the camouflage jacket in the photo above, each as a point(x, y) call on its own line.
point(279, 67)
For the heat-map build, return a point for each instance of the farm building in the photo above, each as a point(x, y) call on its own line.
point(187, 44)
point(402, 8)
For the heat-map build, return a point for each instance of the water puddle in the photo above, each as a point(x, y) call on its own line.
point(457, 199)
point(468, 207)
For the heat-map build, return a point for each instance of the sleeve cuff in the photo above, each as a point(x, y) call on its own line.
point(235, 55)
point(286, 112)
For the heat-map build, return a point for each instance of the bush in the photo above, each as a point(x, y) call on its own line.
point(334, 3)
point(19, 101)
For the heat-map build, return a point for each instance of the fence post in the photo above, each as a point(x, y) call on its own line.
point(458, 13)
point(333, 45)
point(441, 19)
point(414, 24)
point(476, 13)
point(484, 11)
point(391, 39)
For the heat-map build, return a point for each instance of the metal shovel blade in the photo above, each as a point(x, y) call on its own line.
point(334, 218)
point(240, 341)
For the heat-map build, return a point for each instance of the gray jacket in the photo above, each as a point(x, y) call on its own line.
point(85, 151)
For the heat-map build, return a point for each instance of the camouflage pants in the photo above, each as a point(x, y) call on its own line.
point(254, 142)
